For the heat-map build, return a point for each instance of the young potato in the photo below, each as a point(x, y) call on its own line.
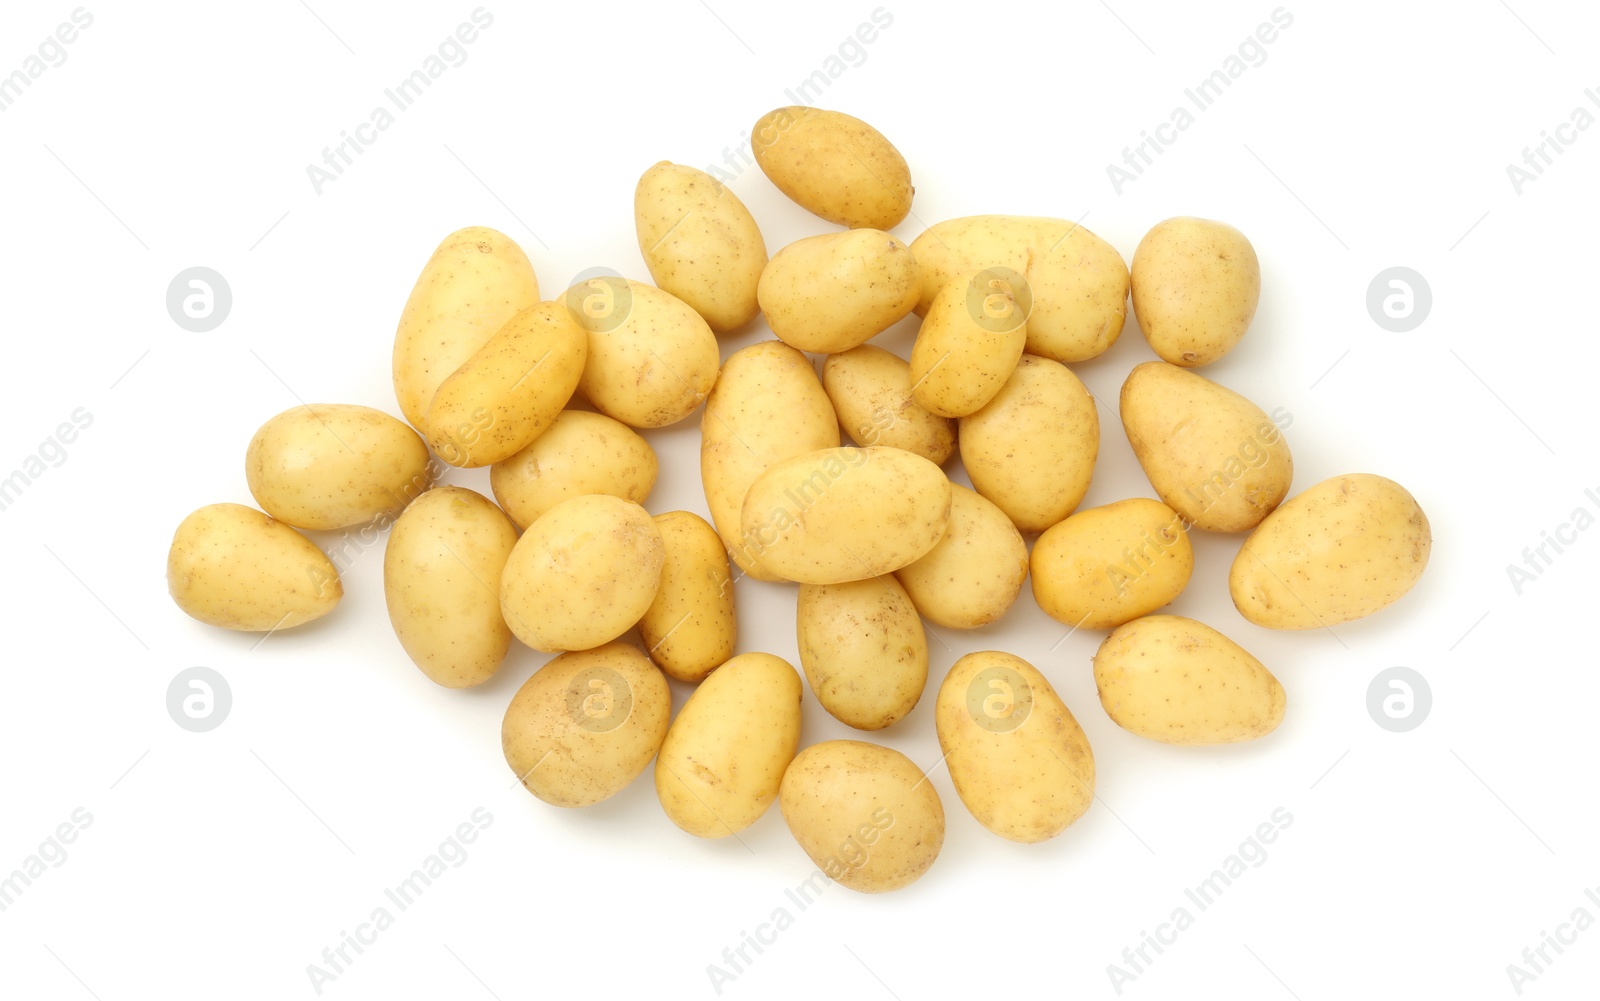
point(441, 581)
point(725, 754)
point(1079, 282)
point(1109, 565)
point(863, 650)
point(975, 572)
point(1031, 450)
point(1017, 757)
point(1196, 283)
point(843, 514)
point(863, 813)
point(586, 724)
point(832, 292)
point(691, 628)
point(1343, 549)
point(1213, 456)
point(234, 567)
point(767, 406)
point(834, 166)
point(652, 359)
point(327, 466)
point(580, 453)
point(582, 574)
point(970, 342)
point(1179, 681)
point(474, 283)
point(509, 391)
point(870, 389)
point(700, 243)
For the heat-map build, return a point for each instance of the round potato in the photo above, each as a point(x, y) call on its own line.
point(870, 389)
point(832, 292)
point(580, 453)
point(652, 359)
point(700, 243)
point(1196, 283)
point(234, 567)
point(1109, 565)
point(863, 650)
point(975, 572)
point(970, 342)
point(834, 166)
point(691, 628)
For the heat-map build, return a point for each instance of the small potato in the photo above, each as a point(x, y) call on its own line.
point(700, 243)
point(1031, 450)
point(328, 466)
point(234, 567)
point(725, 755)
point(1179, 681)
point(690, 628)
point(970, 342)
point(1196, 283)
point(1017, 757)
point(1109, 565)
point(832, 292)
point(441, 581)
point(870, 389)
point(586, 724)
point(864, 814)
point(863, 650)
point(834, 166)
point(580, 453)
point(652, 359)
point(582, 574)
point(1343, 549)
point(975, 572)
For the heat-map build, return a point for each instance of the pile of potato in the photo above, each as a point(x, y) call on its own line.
point(566, 559)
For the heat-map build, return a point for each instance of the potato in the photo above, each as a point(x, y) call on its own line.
point(870, 389)
point(1179, 681)
point(863, 650)
point(582, 574)
point(700, 243)
point(327, 466)
point(969, 342)
point(579, 453)
point(1017, 757)
point(832, 292)
point(234, 567)
point(1031, 450)
point(586, 724)
point(1196, 283)
point(834, 166)
point(767, 406)
point(1109, 565)
point(474, 283)
point(690, 628)
point(652, 359)
point(1079, 282)
point(1213, 456)
point(843, 514)
point(724, 757)
point(975, 572)
point(441, 581)
point(1343, 549)
point(864, 814)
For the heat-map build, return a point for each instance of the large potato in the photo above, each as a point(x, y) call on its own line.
point(863, 650)
point(975, 572)
point(1196, 283)
point(870, 389)
point(832, 292)
point(652, 359)
point(690, 628)
point(580, 453)
point(969, 342)
point(834, 166)
point(1343, 549)
point(234, 567)
point(1108, 565)
point(700, 243)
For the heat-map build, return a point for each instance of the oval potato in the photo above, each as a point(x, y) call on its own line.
point(700, 243)
point(834, 166)
point(1109, 565)
point(832, 292)
point(863, 650)
point(690, 629)
point(235, 567)
point(870, 389)
point(579, 453)
point(969, 344)
point(1196, 284)
point(975, 572)
point(652, 359)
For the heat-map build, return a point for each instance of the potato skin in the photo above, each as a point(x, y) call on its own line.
point(834, 166)
point(235, 567)
point(691, 627)
point(1108, 565)
point(863, 650)
point(832, 292)
point(870, 389)
point(579, 453)
point(652, 362)
point(1196, 284)
point(969, 344)
point(975, 572)
point(700, 243)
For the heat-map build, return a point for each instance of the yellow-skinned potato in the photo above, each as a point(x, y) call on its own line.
point(652, 359)
point(1031, 450)
point(832, 292)
point(725, 754)
point(1017, 757)
point(969, 342)
point(1196, 283)
point(586, 724)
point(1079, 282)
point(580, 453)
point(863, 650)
point(582, 574)
point(1179, 681)
point(690, 629)
point(1213, 456)
point(975, 572)
point(700, 243)
point(235, 567)
point(441, 581)
point(327, 466)
point(1109, 565)
point(767, 406)
point(870, 389)
point(1343, 549)
point(863, 813)
point(508, 392)
point(834, 166)
point(475, 282)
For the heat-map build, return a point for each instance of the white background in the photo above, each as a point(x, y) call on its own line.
point(223, 863)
